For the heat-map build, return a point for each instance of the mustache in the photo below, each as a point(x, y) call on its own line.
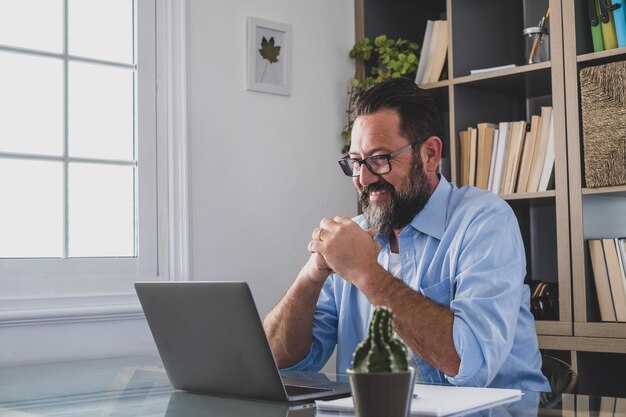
point(380, 185)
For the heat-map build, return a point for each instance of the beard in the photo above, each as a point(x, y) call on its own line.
point(402, 205)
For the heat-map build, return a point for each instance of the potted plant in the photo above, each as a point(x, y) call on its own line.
point(386, 58)
point(380, 378)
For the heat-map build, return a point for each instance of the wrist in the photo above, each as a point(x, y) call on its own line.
point(371, 280)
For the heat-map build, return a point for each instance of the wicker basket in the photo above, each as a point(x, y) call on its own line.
point(603, 105)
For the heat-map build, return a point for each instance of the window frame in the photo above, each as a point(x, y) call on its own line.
point(68, 277)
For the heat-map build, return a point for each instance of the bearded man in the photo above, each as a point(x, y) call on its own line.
point(449, 262)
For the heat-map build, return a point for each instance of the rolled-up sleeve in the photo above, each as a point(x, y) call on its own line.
point(488, 285)
point(324, 331)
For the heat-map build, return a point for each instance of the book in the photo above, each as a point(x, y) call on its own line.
point(594, 23)
point(498, 170)
point(483, 156)
point(491, 69)
point(541, 147)
point(494, 156)
point(619, 17)
point(527, 155)
point(616, 278)
point(547, 172)
point(607, 407)
point(465, 156)
point(472, 154)
point(514, 152)
point(608, 26)
point(622, 247)
point(440, 400)
point(601, 279)
point(421, 65)
point(437, 52)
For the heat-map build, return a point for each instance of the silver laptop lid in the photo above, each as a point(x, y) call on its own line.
point(211, 339)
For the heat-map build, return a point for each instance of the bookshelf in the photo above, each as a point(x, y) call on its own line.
point(598, 348)
point(489, 34)
point(555, 223)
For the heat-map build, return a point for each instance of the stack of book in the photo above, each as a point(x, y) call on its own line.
point(506, 158)
point(434, 51)
point(608, 261)
point(608, 23)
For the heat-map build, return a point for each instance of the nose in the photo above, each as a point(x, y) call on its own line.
point(366, 176)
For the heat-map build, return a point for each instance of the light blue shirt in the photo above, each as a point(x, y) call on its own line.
point(464, 252)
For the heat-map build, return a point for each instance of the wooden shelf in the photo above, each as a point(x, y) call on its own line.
point(529, 196)
point(523, 81)
point(583, 344)
point(602, 55)
point(601, 329)
point(560, 328)
point(605, 190)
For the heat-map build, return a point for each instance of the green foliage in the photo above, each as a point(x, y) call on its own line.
point(380, 351)
point(268, 51)
point(388, 58)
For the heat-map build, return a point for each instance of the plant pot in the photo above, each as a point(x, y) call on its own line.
point(377, 394)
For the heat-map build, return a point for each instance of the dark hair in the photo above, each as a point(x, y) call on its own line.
point(419, 117)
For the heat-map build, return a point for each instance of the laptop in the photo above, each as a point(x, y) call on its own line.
point(211, 340)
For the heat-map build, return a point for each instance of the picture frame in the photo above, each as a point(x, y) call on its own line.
point(269, 56)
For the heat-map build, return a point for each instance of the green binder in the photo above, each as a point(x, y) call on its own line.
point(593, 8)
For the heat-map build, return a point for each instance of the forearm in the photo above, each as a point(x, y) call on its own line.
point(424, 326)
point(289, 325)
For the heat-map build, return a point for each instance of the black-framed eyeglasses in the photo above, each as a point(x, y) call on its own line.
point(377, 164)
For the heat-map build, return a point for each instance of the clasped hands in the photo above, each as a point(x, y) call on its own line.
point(340, 245)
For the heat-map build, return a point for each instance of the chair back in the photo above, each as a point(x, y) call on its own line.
point(562, 378)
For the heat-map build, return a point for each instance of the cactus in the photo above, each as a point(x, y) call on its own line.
point(380, 351)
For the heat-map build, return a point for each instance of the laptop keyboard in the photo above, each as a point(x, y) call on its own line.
point(293, 390)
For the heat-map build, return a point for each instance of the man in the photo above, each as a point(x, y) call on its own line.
point(449, 262)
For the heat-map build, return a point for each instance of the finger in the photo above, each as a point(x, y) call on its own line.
point(315, 246)
point(342, 219)
point(327, 223)
point(317, 232)
point(371, 232)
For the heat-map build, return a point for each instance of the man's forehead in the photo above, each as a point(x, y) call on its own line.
point(375, 134)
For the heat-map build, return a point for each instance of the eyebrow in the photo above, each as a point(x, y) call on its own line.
point(384, 152)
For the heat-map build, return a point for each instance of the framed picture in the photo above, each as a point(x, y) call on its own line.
point(269, 56)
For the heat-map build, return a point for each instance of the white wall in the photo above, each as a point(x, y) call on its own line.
point(263, 166)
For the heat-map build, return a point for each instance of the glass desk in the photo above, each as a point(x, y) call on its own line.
point(138, 386)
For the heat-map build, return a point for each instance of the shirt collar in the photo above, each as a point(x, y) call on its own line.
point(432, 219)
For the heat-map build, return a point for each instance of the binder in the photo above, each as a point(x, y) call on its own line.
point(608, 24)
point(619, 17)
point(593, 8)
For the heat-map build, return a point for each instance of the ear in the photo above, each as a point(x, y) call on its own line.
point(431, 154)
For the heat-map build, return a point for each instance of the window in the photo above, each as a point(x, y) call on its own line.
point(77, 139)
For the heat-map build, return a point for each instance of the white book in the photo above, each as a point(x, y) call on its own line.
point(503, 140)
point(491, 69)
point(421, 66)
point(436, 52)
point(548, 163)
point(494, 155)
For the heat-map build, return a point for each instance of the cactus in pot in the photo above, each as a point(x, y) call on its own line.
point(380, 351)
point(380, 378)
